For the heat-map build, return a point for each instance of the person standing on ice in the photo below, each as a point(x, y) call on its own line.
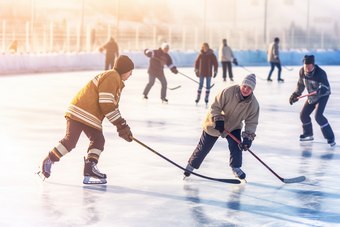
point(274, 60)
point(112, 52)
point(158, 58)
point(226, 56)
point(204, 63)
point(315, 79)
point(231, 107)
point(98, 99)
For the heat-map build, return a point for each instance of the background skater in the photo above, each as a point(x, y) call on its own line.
point(204, 63)
point(315, 79)
point(158, 58)
point(226, 56)
point(274, 60)
point(231, 107)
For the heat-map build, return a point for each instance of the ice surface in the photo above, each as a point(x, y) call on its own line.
point(144, 189)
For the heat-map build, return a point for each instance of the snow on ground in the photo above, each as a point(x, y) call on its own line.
point(144, 189)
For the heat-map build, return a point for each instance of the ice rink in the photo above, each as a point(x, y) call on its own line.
point(144, 189)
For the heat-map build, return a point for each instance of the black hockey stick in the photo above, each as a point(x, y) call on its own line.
point(250, 71)
point(195, 80)
point(231, 181)
point(288, 68)
point(174, 88)
point(291, 180)
point(186, 75)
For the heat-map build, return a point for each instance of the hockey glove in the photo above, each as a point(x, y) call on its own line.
point(246, 143)
point(219, 126)
point(215, 74)
point(124, 130)
point(174, 70)
point(148, 53)
point(235, 61)
point(322, 89)
point(197, 73)
point(293, 98)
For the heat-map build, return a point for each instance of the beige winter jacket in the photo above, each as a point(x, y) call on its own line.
point(225, 54)
point(273, 52)
point(229, 104)
point(97, 100)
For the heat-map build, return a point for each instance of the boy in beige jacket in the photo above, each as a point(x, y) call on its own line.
point(232, 106)
point(99, 99)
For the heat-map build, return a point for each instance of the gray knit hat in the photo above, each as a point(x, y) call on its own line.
point(250, 81)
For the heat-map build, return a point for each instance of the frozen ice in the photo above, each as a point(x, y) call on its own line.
point(145, 190)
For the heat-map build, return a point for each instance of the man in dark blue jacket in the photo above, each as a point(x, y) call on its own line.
point(158, 58)
point(315, 79)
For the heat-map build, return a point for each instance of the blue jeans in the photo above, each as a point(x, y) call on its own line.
point(278, 65)
point(207, 142)
point(152, 79)
point(208, 81)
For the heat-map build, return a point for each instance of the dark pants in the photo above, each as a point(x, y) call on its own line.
point(152, 79)
point(278, 65)
point(227, 65)
point(73, 131)
point(109, 63)
point(207, 142)
point(319, 108)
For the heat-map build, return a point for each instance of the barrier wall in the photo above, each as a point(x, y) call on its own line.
point(48, 62)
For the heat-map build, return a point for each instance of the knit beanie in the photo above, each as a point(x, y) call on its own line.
point(250, 81)
point(165, 45)
point(308, 59)
point(123, 64)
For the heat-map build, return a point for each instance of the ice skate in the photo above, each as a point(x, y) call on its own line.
point(238, 173)
point(280, 80)
point(198, 97)
point(91, 171)
point(187, 174)
point(45, 171)
point(164, 100)
point(269, 80)
point(145, 97)
point(304, 137)
point(231, 79)
point(331, 142)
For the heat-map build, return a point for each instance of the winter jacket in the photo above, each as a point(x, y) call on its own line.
point(225, 54)
point(157, 62)
point(235, 109)
point(98, 99)
point(111, 50)
point(273, 53)
point(317, 78)
point(204, 63)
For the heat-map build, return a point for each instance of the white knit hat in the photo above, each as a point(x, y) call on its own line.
point(165, 45)
point(250, 81)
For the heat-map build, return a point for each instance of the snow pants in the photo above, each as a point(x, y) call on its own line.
point(207, 142)
point(152, 79)
point(319, 108)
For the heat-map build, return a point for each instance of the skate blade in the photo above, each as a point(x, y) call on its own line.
point(309, 138)
point(88, 180)
point(40, 174)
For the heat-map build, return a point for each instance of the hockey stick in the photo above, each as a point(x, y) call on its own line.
point(174, 88)
point(195, 80)
point(288, 68)
point(250, 71)
point(186, 75)
point(312, 93)
point(231, 181)
point(291, 180)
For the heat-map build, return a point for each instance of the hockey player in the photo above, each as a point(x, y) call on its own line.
point(231, 107)
point(226, 56)
point(315, 79)
point(158, 58)
point(98, 99)
point(274, 60)
point(204, 63)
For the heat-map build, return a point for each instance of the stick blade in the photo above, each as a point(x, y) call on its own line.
point(294, 180)
point(230, 181)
